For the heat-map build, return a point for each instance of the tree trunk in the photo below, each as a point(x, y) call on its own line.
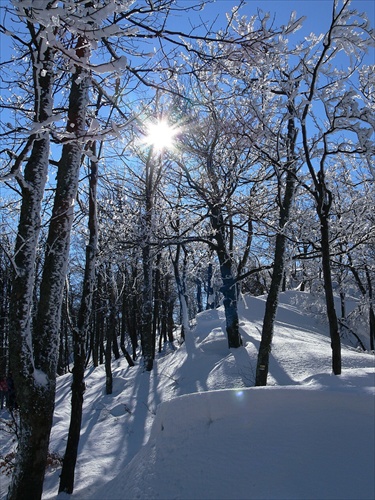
point(156, 308)
point(270, 312)
point(372, 328)
point(126, 354)
point(210, 301)
point(330, 303)
point(147, 262)
point(39, 394)
point(198, 282)
point(80, 337)
point(278, 267)
point(367, 294)
point(35, 427)
point(231, 313)
point(181, 292)
point(229, 287)
point(371, 310)
point(146, 332)
point(113, 329)
point(108, 367)
point(35, 394)
point(133, 326)
point(123, 332)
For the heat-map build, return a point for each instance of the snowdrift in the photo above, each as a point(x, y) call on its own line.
point(261, 443)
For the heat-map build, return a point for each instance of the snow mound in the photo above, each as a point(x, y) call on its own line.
point(258, 443)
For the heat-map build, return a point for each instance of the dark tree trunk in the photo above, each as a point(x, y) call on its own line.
point(108, 366)
point(5, 291)
point(167, 323)
point(182, 297)
point(156, 309)
point(113, 329)
point(147, 263)
point(199, 295)
point(367, 294)
point(342, 306)
point(57, 252)
point(115, 346)
point(146, 332)
point(283, 284)
point(39, 394)
point(328, 289)
point(371, 310)
point(231, 313)
point(98, 327)
point(210, 304)
point(163, 312)
point(123, 332)
point(80, 335)
point(372, 328)
point(229, 287)
point(29, 473)
point(33, 448)
point(229, 290)
point(126, 354)
point(270, 313)
point(133, 329)
point(278, 267)
point(170, 321)
point(63, 361)
point(35, 389)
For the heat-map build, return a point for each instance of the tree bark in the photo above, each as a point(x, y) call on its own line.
point(147, 262)
point(229, 287)
point(108, 367)
point(35, 395)
point(123, 331)
point(182, 297)
point(39, 394)
point(278, 267)
point(79, 338)
point(330, 303)
point(271, 308)
point(371, 310)
point(146, 332)
point(367, 294)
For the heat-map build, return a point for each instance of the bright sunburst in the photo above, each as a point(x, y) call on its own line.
point(160, 135)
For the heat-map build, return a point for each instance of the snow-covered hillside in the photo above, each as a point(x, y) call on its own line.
point(195, 428)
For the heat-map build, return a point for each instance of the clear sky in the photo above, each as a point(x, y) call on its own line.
point(318, 12)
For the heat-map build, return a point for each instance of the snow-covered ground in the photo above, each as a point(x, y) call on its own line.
point(195, 428)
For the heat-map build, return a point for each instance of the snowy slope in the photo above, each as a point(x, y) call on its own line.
point(254, 443)
point(195, 428)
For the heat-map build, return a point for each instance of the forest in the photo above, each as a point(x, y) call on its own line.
point(155, 165)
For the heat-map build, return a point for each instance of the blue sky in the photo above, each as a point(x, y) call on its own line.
point(318, 12)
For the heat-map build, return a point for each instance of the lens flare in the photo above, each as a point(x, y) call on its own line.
point(160, 135)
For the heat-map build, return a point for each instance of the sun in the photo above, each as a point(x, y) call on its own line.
point(160, 135)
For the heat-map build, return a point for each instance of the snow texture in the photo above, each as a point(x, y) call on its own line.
point(195, 428)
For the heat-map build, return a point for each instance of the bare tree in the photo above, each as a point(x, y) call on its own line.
point(80, 334)
point(322, 143)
